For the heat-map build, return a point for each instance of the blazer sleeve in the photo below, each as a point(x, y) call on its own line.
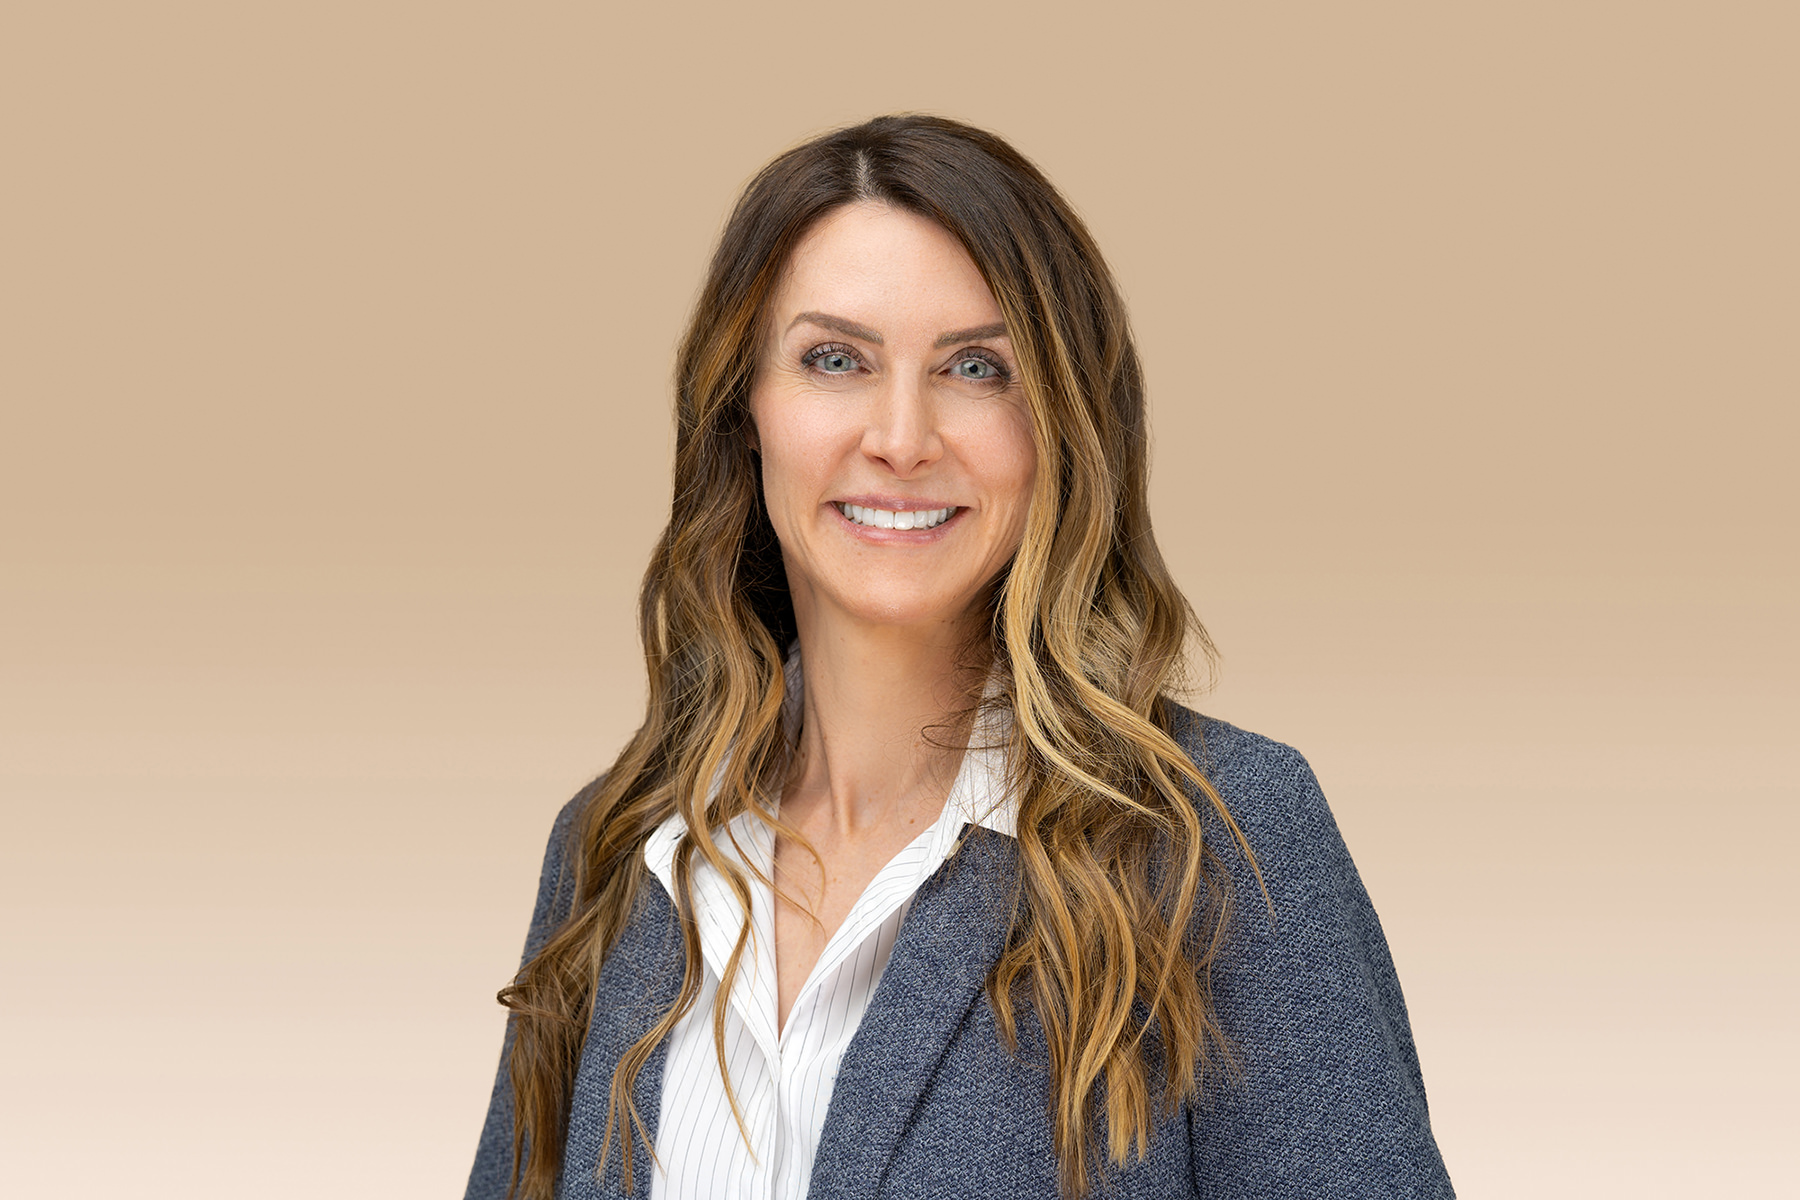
point(492, 1173)
point(1326, 1101)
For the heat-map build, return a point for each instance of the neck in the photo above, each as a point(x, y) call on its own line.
point(886, 714)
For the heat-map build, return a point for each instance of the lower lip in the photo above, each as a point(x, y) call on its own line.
point(873, 533)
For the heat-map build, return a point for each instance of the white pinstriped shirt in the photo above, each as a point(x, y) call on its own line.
point(783, 1080)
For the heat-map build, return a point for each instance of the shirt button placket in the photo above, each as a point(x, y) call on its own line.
point(765, 1137)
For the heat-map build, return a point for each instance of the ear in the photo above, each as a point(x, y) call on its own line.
point(751, 437)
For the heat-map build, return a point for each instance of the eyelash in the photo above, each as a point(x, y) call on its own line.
point(1002, 374)
point(817, 352)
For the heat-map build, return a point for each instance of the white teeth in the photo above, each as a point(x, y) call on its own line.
point(881, 518)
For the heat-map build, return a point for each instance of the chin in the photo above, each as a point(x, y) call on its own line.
point(904, 610)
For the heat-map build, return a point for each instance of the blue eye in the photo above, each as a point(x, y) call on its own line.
point(981, 368)
point(832, 360)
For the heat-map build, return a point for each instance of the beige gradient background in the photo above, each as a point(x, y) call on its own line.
point(334, 347)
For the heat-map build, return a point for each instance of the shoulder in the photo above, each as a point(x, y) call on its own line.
point(1276, 803)
point(1264, 783)
point(1222, 750)
point(564, 829)
point(569, 815)
point(556, 880)
point(1327, 1095)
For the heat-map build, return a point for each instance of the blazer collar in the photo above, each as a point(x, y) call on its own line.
point(953, 934)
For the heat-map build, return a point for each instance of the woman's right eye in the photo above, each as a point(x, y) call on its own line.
point(832, 360)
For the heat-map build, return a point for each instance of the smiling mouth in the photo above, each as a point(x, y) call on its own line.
point(883, 518)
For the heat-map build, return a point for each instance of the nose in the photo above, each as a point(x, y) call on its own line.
point(903, 433)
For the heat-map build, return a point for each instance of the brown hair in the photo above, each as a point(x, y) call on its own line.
point(1120, 901)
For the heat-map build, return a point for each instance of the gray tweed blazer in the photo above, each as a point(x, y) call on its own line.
point(928, 1105)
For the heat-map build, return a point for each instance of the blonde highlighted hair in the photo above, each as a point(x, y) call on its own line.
point(1121, 904)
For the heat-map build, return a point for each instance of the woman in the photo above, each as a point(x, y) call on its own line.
point(915, 881)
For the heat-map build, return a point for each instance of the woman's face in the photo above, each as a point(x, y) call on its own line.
point(897, 455)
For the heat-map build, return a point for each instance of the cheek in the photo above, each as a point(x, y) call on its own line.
point(1017, 463)
point(798, 444)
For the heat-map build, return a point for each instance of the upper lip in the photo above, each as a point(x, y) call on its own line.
point(895, 503)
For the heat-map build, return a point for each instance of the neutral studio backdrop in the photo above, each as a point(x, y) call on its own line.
point(335, 342)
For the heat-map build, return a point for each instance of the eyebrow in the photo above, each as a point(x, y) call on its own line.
point(978, 334)
point(864, 333)
point(838, 325)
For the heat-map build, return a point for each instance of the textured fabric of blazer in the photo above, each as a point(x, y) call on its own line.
point(1327, 1104)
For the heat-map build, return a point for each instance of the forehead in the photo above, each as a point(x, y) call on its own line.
point(886, 268)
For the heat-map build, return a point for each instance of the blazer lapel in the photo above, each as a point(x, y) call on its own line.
point(636, 986)
point(952, 936)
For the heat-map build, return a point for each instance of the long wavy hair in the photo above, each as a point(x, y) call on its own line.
point(1121, 904)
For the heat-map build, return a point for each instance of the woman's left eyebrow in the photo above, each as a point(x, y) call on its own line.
point(979, 333)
